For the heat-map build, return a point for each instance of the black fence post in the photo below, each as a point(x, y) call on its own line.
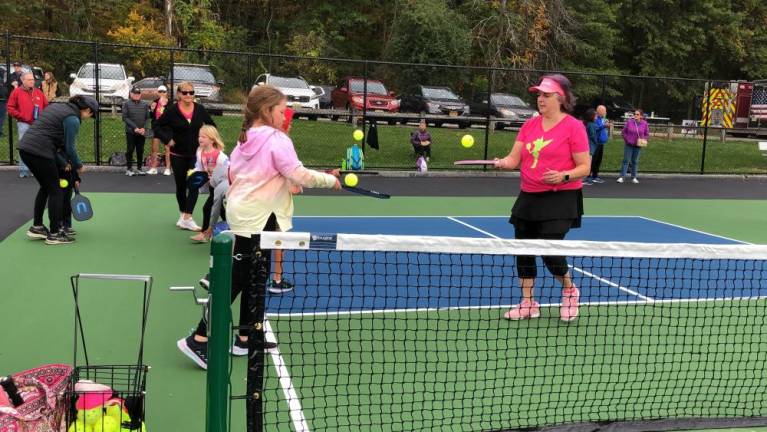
point(364, 105)
point(172, 85)
point(97, 114)
point(5, 82)
point(707, 120)
point(488, 113)
point(249, 75)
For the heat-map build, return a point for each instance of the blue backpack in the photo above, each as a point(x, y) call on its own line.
point(354, 160)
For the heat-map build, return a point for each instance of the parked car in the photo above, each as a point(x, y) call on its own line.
point(509, 109)
point(114, 83)
point(323, 92)
point(148, 87)
point(616, 108)
point(438, 101)
point(206, 88)
point(296, 89)
point(349, 95)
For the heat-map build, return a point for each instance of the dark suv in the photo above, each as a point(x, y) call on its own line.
point(438, 101)
point(206, 88)
point(509, 110)
point(349, 95)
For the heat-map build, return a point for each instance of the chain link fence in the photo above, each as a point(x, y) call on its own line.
point(333, 97)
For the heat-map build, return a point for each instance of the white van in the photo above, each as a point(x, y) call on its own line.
point(114, 83)
point(299, 93)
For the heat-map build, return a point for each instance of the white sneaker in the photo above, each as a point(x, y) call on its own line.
point(139, 172)
point(189, 224)
point(129, 173)
point(152, 171)
point(634, 180)
point(166, 172)
point(180, 221)
point(620, 180)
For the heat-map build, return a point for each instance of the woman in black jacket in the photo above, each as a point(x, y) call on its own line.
point(178, 128)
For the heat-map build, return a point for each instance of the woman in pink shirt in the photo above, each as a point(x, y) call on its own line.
point(262, 169)
point(552, 153)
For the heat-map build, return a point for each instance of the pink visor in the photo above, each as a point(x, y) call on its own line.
point(548, 85)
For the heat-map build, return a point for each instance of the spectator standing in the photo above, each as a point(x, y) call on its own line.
point(179, 128)
point(15, 78)
point(602, 126)
point(590, 120)
point(157, 109)
point(136, 117)
point(50, 86)
point(636, 129)
point(25, 104)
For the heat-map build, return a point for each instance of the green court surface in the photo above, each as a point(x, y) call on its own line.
point(135, 234)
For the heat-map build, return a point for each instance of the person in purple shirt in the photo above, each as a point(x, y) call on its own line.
point(421, 141)
point(634, 130)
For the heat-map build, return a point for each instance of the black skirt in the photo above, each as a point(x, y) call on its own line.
point(550, 212)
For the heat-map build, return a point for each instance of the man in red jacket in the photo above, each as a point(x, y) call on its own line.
point(25, 105)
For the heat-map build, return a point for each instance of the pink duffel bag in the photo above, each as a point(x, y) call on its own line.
point(33, 400)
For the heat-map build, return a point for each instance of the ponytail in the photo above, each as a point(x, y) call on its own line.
point(261, 101)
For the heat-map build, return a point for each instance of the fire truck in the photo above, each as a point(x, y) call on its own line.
point(736, 105)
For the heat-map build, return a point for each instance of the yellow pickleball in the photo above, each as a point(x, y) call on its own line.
point(188, 173)
point(467, 140)
point(63, 183)
point(351, 180)
point(358, 135)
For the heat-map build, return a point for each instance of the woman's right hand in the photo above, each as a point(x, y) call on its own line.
point(171, 143)
point(498, 163)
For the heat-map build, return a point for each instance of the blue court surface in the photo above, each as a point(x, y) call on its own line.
point(360, 282)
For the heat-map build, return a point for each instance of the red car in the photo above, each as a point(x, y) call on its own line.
point(348, 95)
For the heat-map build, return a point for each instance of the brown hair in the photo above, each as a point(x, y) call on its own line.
point(211, 132)
point(261, 101)
point(568, 100)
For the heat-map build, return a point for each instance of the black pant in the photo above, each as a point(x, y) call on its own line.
point(526, 267)
point(207, 208)
point(596, 160)
point(420, 150)
point(135, 141)
point(47, 175)
point(248, 274)
point(71, 177)
point(185, 197)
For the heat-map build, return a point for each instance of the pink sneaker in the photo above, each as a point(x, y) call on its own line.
point(525, 310)
point(569, 309)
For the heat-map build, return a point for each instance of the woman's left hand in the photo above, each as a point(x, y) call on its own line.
point(553, 177)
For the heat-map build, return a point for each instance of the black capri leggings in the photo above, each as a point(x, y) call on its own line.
point(248, 274)
point(186, 198)
point(526, 267)
point(47, 175)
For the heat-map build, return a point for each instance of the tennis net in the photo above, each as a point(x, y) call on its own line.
point(388, 333)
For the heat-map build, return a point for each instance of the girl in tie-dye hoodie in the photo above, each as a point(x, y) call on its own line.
point(261, 170)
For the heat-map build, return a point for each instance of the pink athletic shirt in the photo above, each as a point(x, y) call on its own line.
point(550, 150)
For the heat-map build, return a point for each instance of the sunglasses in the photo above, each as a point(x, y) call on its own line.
point(187, 93)
point(163, 91)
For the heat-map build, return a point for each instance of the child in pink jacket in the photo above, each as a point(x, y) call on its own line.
point(261, 170)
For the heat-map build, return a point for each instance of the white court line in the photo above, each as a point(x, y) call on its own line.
point(692, 230)
point(294, 403)
point(653, 302)
point(579, 270)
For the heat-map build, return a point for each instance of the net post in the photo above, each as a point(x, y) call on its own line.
point(219, 326)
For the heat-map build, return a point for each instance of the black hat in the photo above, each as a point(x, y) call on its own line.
point(90, 102)
point(135, 90)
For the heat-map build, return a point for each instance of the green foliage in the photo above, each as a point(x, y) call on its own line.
point(141, 30)
point(427, 31)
